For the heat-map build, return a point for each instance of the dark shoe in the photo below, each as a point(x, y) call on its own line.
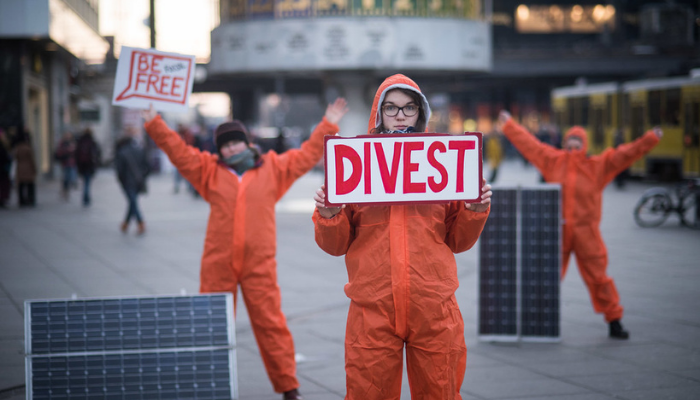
point(617, 331)
point(292, 395)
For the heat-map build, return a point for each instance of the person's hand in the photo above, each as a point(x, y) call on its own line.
point(503, 116)
point(485, 199)
point(336, 110)
point(149, 114)
point(320, 199)
point(658, 132)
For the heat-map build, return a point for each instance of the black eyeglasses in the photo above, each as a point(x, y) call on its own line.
point(409, 110)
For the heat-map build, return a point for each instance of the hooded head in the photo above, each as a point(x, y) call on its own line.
point(398, 81)
point(579, 133)
point(228, 131)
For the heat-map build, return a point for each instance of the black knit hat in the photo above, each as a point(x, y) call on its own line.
point(228, 131)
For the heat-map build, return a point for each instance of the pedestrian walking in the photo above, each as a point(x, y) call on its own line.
point(242, 188)
point(65, 155)
point(87, 159)
point(132, 167)
point(621, 178)
point(494, 154)
point(402, 273)
point(583, 179)
point(25, 171)
point(5, 167)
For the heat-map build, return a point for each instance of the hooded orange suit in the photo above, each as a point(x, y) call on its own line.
point(583, 179)
point(241, 243)
point(402, 278)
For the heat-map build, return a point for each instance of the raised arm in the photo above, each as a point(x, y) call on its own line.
point(536, 152)
point(192, 163)
point(620, 158)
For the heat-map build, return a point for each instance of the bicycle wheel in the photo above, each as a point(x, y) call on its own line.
point(691, 214)
point(652, 210)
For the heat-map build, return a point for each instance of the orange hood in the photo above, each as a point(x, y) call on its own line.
point(580, 133)
point(397, 81)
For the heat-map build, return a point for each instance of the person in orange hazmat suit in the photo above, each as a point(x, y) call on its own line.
point(242, 188)
point(402, 274)
point(583, 179)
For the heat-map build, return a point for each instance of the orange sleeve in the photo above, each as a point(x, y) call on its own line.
point(463, 226)
point(193, 164)
point(334, 235)
point(296, 162)
point(536, 152)
point(620, 158)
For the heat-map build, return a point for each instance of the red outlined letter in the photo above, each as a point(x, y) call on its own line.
point(461, 147)
point(388, 179)
point(408, 167)
point(434, 186)
point(368, 168)
point(341, 186)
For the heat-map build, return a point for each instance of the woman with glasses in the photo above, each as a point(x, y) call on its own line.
point(402, 273)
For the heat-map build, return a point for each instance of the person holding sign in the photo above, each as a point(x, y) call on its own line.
point(583, 179)
point(402, 273)
point(242, 188)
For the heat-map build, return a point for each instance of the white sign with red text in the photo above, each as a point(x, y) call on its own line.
point(149, 76)
point(403, 168)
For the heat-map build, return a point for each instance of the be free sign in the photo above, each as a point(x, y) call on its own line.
point(396, 168)
point(148, 76)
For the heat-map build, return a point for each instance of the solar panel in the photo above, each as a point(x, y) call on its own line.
point(166, 347)
point(519, 261)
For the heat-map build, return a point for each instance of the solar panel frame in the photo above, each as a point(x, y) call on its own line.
point(542, 296)
point(56, 324)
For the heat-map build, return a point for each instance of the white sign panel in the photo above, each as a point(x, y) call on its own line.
point(403, 168)
point(351, 43)
point(148, 76)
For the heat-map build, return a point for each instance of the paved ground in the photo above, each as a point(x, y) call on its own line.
point(60, 249)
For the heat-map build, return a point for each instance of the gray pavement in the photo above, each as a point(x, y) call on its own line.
point(60, 249)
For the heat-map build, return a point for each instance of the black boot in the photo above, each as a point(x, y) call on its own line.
point(292, 395)
point(617, 331)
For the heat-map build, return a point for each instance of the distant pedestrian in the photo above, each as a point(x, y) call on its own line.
point(494, 154)
point(65, 155)
point(583, 179)
point(132, 167)
point(621, 178)
point(5, 166)
point(25, 171)
point(242, 187)
point(87, 159)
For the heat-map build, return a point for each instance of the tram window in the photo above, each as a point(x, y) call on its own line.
point(571, 111)
point(672, 108)
point(654, 107)
point(609, 110)
point(625, 110)
point(584, 111)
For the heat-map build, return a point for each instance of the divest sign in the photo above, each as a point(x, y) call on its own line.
point(403, 168)
point(148, 76)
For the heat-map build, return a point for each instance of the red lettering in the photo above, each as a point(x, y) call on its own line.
point(368, 169)
point(143, 63)
point(408, 167)
point(156, 60)
point(175, 86)
point(434, 186)
point(164, 83)
point(388, 178)
point(461, 147)
point(152, 81)
point(346, 186)
point(139, 80)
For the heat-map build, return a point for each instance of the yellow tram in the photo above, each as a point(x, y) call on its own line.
point(630, 109)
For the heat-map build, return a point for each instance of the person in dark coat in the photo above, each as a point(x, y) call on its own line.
point(65, 154)
point(25, 173)
point(131, 164)
point(5, 166)
point(87, 159)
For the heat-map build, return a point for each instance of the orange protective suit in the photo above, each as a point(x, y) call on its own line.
point(583, 179)
point(402, 278)
point(241, 243)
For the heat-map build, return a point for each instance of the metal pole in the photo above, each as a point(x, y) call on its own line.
point(152, 23)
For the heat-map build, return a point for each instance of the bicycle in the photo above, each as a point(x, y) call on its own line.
point(656, 204)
